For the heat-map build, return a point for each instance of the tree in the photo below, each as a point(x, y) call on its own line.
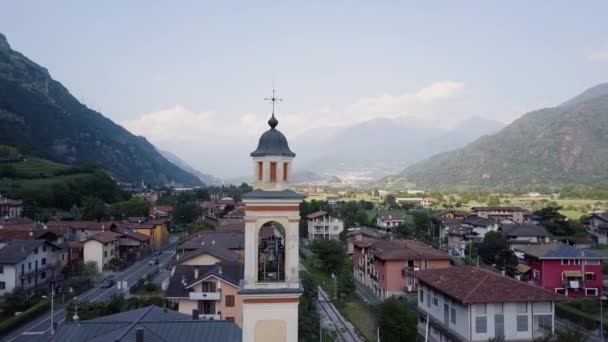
point(506, 260)
point(186, 213)
point(330, 253)
point(556, 223)
point(397, 322)
point(346, 282)
point(15, 301)
point(405, 230)
point(198, 226)
point(308, 318)
point(493, 242)
point(8, 171)
point(135, 206)
point(93, 208)
point(391, 202)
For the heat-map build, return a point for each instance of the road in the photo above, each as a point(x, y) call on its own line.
point(39, 329)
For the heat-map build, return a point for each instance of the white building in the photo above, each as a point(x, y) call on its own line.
point(322, 225)
point(10, 208)
point(597, 225)
point(26, 263)
point(470, 304)
point(101, 248)
point(389, 220)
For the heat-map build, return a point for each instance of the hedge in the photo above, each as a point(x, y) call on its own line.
point(31, 313)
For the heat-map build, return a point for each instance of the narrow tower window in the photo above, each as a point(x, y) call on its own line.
point(273, 172)
point(285, 170)
point(260, 171)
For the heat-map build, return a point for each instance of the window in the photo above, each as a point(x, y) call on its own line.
point(565, 262)
point(522, 323)
point(229, 301)
point(105, 254)
point(537, 274)
point(285, 170)
point(44, 248)
point(112, 252)
point(592, 262)
point(435, 301)
point(428, 299)
point(1, 269)
point(29, 280)
point(2, 285)
point(260, 170)
point(36, 250)
point(421, 296)
point(590, 292)
point(480, 309)
point(43, 275)
point(576, 262)
point(43, 261)
point(453, 315)
point(273, 171)
point(541, 307)
point(29, 265)
point(589, 276)
point(561, 291)
point(481, 325)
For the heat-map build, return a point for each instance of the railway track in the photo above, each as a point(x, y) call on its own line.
point(345, 334)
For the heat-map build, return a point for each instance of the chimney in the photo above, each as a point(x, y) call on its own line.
point(195, 314)
point(139, 334)
point(196, 272)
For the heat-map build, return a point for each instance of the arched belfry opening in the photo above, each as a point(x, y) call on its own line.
point(271, 252)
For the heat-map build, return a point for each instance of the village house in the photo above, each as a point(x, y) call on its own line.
point(161, 211)
point(453, 214)
point(361, 234)
point(455, 237)
point(209, 291)
point(479, 225)
point(516, 214)
point(525, 234)
point(156, 229)
point(381, 265)
point(322, 225)
point(470, 304)
point(564, 269)
point(101, 248)
point(388, 221)
point(227, 242)
point(151, 323)
point(29, 264)
point(332, 200)
point(10, 208)
point(597, 225)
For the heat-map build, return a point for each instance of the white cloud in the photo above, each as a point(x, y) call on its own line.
point(597, 55)
point(201, 136)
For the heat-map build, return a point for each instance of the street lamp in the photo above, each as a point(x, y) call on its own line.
point(335, 284)
point(52, 308)
point(602, 298)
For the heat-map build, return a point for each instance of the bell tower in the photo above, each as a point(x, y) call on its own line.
point(271, 286)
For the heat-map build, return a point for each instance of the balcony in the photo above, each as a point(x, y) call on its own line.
point(204, 296)
point(209, 317)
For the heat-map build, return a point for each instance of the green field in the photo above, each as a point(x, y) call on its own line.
point(35, 166)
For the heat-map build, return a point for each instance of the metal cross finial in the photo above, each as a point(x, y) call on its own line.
point(273, 99)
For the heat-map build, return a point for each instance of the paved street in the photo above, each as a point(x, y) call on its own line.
point(39, 329)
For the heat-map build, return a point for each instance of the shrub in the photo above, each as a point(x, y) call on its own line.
point(29, 314)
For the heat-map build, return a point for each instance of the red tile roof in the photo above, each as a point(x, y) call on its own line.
point(402, 250)
point(104, 237)
point(468, 284)
point(317, 214)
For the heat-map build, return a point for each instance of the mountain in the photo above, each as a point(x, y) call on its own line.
point(41, 117)
point(563, 144)
point(389, 145)
point(205, 178)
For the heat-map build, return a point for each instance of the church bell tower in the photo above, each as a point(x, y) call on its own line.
point(271, 287)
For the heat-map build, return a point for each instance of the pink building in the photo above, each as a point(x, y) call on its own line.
point(382, 265)
point(564, 269)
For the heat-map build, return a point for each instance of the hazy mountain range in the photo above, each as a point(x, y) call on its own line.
point(563, 144)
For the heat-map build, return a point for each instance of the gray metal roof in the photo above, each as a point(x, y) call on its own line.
point(273, 142)
point(524, 230)
point(231, 272)
point(261, 194)
point(558, 251)
point(157, 327)
point(227, 240)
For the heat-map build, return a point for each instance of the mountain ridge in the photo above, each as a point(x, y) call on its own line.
point(40, 116)
point(563, 144)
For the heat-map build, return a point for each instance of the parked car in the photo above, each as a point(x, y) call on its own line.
point(154, 261)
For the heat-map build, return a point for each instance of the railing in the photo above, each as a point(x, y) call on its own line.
point(204, 296)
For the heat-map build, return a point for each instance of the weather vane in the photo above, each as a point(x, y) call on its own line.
point(273, 99)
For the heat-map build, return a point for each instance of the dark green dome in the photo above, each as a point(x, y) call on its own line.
point(273, 142)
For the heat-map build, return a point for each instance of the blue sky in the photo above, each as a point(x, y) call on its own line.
point(191, 75)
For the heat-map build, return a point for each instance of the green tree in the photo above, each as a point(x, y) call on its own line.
point(308, 318)
point(8, 171)
point(135, 206)
point(186, 213)
point(346, 282)
point(330, 253)
point(397, 321)
point(94, 208)
point(493, 242)
point(506, 260)
point(556, 223)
